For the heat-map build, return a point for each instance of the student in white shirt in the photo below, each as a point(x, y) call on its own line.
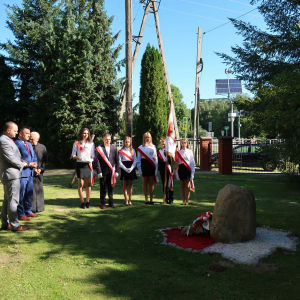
point(186, 170)
point(84, 152)
point(147, 165)
point(127, 163)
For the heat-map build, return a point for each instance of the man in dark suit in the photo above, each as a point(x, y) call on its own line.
point(11, 166)
point(40, 150)
point(26, 182)
point(107, 161)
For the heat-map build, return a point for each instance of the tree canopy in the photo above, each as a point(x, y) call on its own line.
point(63, 52)
point(181, 111)
point(264, 55)
point(268, 62)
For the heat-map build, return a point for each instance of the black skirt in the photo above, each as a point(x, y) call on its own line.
point(83, 170)
point(184, 173)
point(147, 168)
point(124, 174)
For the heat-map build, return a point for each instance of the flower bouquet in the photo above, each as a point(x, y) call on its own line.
point(200, 225)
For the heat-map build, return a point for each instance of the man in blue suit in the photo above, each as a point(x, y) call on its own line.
point(26, 183)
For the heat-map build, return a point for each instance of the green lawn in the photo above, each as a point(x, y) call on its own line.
point(72, 253)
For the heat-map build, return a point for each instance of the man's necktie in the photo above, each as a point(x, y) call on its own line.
point(27, 148)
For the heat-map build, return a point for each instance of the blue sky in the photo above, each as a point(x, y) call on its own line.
point(179, 22)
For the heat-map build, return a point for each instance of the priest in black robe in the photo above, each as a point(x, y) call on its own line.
point(40, 150)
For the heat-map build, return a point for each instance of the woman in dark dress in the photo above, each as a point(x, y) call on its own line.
point(127, 162)
point(186, 170)
point(147, 163)
point(84, 152)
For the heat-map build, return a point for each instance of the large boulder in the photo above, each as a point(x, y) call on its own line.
point(234, 217)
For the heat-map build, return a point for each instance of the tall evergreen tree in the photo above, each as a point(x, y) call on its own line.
point(66, 50)
point(153, 107)
point(8, 104)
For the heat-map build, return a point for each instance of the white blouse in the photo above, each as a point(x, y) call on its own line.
point(87, 154)
point(188, 156)
point(151, 152)
point(124, 158)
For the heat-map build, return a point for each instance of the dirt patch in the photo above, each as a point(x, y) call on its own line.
point(261, 268)
point(216, 268)
point(220, 266)
point(226, 263)
point(6, 258)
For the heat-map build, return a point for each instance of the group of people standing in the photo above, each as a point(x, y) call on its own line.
point(22, 164)
point(107, 161)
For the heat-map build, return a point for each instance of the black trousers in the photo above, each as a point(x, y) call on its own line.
point(105, 181)
point(169, 193)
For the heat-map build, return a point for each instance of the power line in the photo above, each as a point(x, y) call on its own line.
point(136, 14)
point(241, 3)
point(193, 15)
point(230, 21)
point(239, 12)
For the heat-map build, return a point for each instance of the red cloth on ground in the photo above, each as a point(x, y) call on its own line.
point(196, 242)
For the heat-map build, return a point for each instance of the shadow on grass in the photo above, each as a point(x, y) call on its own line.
point(120, 249)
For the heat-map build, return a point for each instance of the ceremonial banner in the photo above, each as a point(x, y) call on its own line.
point(170, 142)
point(171, 175)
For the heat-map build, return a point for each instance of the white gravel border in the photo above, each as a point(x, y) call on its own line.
point(265, 243)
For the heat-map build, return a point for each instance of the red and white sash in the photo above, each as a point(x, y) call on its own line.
point(156, 180)
point(170, 174)
point(192, 186)
point(90, 165)
point(125, 154)
point(113, 169)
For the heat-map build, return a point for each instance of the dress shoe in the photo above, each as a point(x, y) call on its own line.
point(6, 227)
point(102, 206)
point(111, 205)
point(23, 218)
point(22, 228)
point(87, 205)
point(32, 215)
point(82, 205)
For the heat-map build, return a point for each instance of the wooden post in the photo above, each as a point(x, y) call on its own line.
point(135, 55)
point(163, 58)
point(165, 183)
point(128, 10)
point(197, 95)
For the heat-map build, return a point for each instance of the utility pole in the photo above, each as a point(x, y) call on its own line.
point(239, 124)
point(149, 4)
point(162, 53)
point(138, 40)
point(199, 67)
point(128, 12)
point(232, 115)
